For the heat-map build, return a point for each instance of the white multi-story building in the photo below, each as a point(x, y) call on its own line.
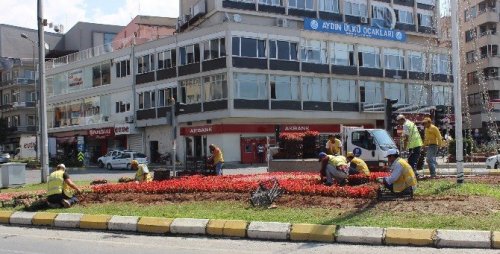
point(242, 69)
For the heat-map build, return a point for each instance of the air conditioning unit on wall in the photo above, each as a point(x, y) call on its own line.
point(282, 22)
point(364, 20)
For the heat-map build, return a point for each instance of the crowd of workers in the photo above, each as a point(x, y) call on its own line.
point(335, 167)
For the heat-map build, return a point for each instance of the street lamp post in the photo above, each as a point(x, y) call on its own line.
point(37, 96)
point(44, 147)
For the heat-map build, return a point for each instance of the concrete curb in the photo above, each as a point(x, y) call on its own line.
point(269, 230)
point(123, 223)
point(409, 236)
point(261, 230)
point(68, 220)
point(464, 239)
point(360, 235)
point(189, 226)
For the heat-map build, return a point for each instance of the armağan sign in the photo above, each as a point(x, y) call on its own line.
point(324, 26)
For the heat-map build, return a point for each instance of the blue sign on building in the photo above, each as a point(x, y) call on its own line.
point(354, 30)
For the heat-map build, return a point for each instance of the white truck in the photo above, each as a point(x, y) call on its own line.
point(371, 145)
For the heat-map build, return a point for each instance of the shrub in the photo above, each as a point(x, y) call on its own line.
point(295, 145)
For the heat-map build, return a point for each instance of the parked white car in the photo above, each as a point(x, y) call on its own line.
point(103, 160)
point(493, 162)
point(125, 159)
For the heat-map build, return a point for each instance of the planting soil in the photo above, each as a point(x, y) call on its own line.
point(446, 205)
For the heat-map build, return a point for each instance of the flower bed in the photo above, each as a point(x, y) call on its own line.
point(293, 183)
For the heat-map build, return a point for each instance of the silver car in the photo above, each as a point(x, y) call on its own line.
point(4, 157)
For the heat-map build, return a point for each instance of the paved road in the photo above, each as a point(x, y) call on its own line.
point(88, 174)
point(18, 240)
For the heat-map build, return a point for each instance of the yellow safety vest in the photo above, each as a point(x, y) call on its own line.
point(335, 146)
point(407, 177)
point(139, 175)
point(218, 156)
point(337, 160)
point(56, 184)
point(361, 166)
point(414, 139)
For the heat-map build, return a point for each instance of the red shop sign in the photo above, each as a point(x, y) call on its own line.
point(102, 133)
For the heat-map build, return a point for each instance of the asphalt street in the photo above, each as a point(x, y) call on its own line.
point(24, 240)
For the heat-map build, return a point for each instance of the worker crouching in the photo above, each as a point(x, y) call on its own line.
point(142, 174)
point(402, 178)
point(333, 167)
point(60, 188)
point(357, 165)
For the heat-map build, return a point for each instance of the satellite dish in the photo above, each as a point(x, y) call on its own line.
point(237, 18)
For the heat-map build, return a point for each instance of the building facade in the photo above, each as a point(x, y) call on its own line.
point(480, 39)
point(245, 69)
point(18, 68)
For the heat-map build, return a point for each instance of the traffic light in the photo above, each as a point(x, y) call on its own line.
point(179, 107)
point(440, 114)
point(389, 110)
point(277, 132)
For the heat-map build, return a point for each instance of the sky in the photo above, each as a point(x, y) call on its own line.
point(23, 13)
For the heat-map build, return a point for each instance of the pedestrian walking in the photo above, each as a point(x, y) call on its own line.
point(260, 152)
point(411, 141)
point(432, 141)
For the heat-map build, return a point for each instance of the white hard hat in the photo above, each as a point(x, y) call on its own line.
point(61, 166)
point(399, 117)
point(392, 152)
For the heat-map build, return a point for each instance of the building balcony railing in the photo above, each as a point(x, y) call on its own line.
point(18, 81)
point(16, 105)
point(22, 129)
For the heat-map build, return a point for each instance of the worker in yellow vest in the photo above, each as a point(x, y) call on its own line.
point(333, 167)
point(357, 165)
point(412, 141)
point(59, 188)
point(402, 178)
point(142, 174)
point(333, 145)
point(216, 159)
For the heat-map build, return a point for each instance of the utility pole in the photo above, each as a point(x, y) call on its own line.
point(457, 94)
point(44, 155)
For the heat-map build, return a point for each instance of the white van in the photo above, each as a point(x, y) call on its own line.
point(371, 145)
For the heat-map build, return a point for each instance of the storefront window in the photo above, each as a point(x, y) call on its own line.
point(285, 88)
point(190, 91)
point(215, 87)
point(344, 90)
point(250, 86)
point(315, 89)
point(92, 110)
